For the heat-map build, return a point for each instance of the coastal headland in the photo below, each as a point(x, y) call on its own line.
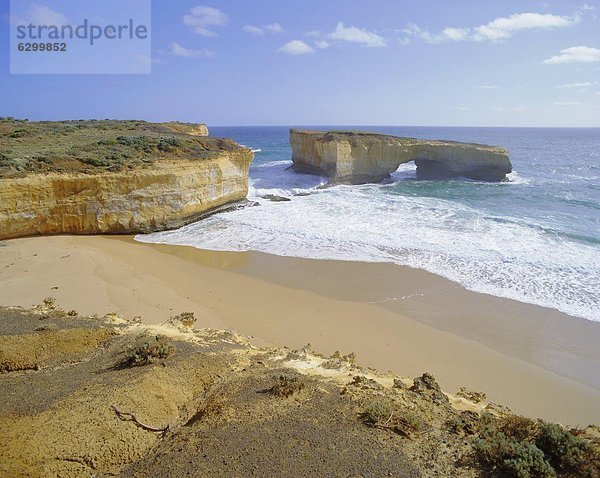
point(107, 177)
point(123, 358)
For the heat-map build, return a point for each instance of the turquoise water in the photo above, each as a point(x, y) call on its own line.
point(535, 238)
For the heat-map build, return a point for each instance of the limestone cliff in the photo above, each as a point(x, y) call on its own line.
point(155, 183)
point(358, 157)
point(199, 129)
point(168, 195)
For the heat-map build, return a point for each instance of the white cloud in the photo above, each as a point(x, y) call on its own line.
point(566, 103)
point(498, 29)
point(201, 17)
point(254, 30)
point(354, 34)
point(462, 108)
point(575, 54)
point(43, 15)
point(583, 84)
point(148, 60)
point(274, 28)
point(488, 87)
point(455, 34)
point(270, 28)
point(413, 30)
point(296, 47)
point(177, 50)
point(504, 27)
point(350, 34)
point(519, 109)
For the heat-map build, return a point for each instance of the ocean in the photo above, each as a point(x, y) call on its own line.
point(535, 239)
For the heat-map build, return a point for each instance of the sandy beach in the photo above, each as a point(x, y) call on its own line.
point(539, 362)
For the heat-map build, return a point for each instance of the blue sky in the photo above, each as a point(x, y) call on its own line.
point(340, 62)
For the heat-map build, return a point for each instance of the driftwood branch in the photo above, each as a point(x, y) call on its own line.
point(388, 420)
point(131, 417)
point(397, 429)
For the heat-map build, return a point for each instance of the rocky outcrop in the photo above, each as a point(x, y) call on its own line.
point(166, 195)
point(194, 129)
point(358, 157)
point(113, 176)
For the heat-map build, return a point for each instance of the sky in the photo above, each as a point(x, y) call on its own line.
point(338, 62)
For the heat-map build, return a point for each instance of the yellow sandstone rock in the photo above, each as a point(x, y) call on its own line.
point(166, 195)
point(358, 157)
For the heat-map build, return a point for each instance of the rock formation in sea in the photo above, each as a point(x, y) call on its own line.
point(94, 177)
point(359, 157)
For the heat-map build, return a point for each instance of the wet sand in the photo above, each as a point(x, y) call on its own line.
point(540, 362)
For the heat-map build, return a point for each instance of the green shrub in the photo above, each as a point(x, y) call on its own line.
point(140, 142)
point(150, 351)
point(107, 142)
point(384, 415)
point(18, 133)
point(114, 156)
point(568, 453)
point(376, 413)
point(508, 455)
point(408, 423)
point(519, 428)
point(168, 144)
point(97, 162)
point(131, 140)
point(525, 448)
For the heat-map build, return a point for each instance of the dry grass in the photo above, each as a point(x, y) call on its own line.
point(384, 415)
point(151, 350)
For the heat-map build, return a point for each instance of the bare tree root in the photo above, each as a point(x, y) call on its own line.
point(131, 417)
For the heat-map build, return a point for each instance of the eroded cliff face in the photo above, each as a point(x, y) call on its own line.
point(356, 157)
point(168, 194)
point(194, 129)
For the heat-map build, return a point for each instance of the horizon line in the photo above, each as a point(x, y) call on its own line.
point(389, 126)
point(323, 125)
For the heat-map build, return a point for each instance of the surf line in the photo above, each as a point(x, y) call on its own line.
point(416, 294)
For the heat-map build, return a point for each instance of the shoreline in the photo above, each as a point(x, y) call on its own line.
point(518, 354)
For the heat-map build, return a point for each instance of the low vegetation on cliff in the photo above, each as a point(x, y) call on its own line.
point(92, 146)
point(149, 351)
point(219, 406)
point(114, 177)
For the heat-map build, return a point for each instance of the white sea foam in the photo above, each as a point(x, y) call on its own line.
point(514, 178)
point(270, 164)
point(254, 150)
point(503, 256)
